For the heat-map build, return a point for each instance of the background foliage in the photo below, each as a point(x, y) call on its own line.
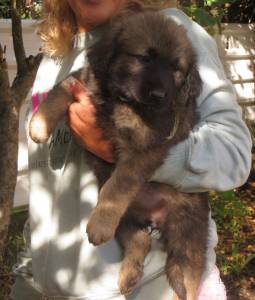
point(29, 9)
point(209, 13)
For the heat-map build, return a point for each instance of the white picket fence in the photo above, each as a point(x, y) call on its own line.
point(236, 48)
point(237, 51)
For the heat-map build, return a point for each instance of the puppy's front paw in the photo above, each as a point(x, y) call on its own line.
point(38, 129)
point(101, 226)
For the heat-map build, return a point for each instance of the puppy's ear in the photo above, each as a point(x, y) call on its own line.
point(103, 51)
point(191, 86)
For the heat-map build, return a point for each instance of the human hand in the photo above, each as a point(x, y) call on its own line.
point(83, 124)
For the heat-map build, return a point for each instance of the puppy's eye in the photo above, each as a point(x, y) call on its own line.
point(124, 98)
point(143, 58)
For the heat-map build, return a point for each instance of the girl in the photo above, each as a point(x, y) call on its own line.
point(61, 264)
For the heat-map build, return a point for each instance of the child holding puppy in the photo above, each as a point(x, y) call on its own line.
point(61, 263)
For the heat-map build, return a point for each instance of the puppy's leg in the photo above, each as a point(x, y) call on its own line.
point(185, 236)
point(50, 111)
point(175, 297)
point(120, 190)
point(184, 267)
point(115, 197)
point(191, 280)
point(136, 244)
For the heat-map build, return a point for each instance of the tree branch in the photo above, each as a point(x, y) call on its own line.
point(23, 82)
point(4, 78)
point(18, 45)
point(26, 67)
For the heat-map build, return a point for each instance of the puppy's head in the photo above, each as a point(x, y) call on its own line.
point(146, 59)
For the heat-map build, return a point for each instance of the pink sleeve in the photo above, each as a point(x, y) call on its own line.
point(37, 98)
point(211, 287)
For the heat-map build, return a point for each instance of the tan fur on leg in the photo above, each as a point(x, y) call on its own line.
point(175, 297)
point(136, 245)
point(192, 281)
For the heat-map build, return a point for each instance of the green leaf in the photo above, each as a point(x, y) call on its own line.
point(248, 260)
point(203, 17)
point(218, 3)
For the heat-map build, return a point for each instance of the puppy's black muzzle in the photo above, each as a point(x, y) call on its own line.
point(157, 95)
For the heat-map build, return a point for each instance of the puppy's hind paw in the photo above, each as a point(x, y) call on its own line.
point(130, 275)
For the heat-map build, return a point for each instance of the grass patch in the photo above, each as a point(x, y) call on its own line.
point(234, 213)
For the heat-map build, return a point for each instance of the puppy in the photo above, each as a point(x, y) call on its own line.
point(144, 82)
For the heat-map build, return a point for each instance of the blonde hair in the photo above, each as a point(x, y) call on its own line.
point(58, 26)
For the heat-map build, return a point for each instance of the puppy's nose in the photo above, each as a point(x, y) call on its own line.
point(157, 95)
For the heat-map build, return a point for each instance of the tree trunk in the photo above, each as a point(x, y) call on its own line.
point(11, 99)
point(8, 149)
